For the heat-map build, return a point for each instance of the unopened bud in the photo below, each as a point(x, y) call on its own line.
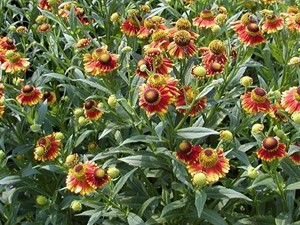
point(59, 135)
point(76, 206)
point(296, 117)
point(113, 172)
point(114, 17)
point(257, 128)
point(252, 172)
point(226, 135)
point(41, 200)
point(112, 101)
point(199, 179)
point(215, 28)
point(78, 112)
point(246, 81)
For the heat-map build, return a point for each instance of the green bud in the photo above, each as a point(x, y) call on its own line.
point(199, 179)
point(35, 127)
point(2, 154)
point(76, 206)
point(296, 117)
point(113, 172)
point(112, 101)
point(226, 135)
point(252, 172)
point(41, 200)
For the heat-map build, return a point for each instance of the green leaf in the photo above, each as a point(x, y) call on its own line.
point(141, 138)
point(173, 205)
point(263, 180)
point(10, 180)
point(83, 136)
point(290, 168)
point(42, 113)
point(29, 171)
point(119, 185)
point(209, 88)
point(145, 161)
point(219, 192)
point(213, 217)
point(93, 84)
point(94, 218)
point(283, 219)
point(149, 202)
point(257, 220)
point(195, 132)
point(134, 219)
point(293, 186)
point(200, 200)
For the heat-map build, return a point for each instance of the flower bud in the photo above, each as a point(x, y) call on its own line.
point(143, 68)
point(9, 54)
point(41, 200)
point(12, 28)
point(226, 135)
point(220, 18)
point(2, 154)
point(246, 81)
point(112, 101)
point(215, 28)
point(294, 61)
point(114, 17)
point(92, 146)
point(257, 128)
point(76, 206)
point(71, 160)
point(296, 117)
point(39, 151)
point(252, 172)
point(78, 112)
point(40, 19)
point(199, 179)
point(20, 157)
point(59, 135)
point(113, 172)
point(198, 71)
point(35, 127)
point(52, 2)
point(126, 49)
point(82, 120)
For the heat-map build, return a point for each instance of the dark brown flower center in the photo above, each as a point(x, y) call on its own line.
point(152, 96)
point(253, 27)
point(89, 104)
point(46, 95)
point(270, 143)
point(27, 89)
point(185, 146)
point(9, 41)
point(258, 95)
point(260, 92)
point(78, 168)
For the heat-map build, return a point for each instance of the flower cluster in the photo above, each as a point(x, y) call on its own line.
point(47, 148)
point(84, 178)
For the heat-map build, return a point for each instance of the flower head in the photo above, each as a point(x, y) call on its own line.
point(252, 35)
point(215, 52)
point(96, 177)
point(212, 163)
point(188, 153)
point(206, 19)
point(293, 22)
point(91, 111)
point(295, 157)
point(131, 25)
point(154, 99)
point(182, 46)
point(49, 96)
point(47, 148)
point(186, 97)
point(256, 101)
point(14, 63)
point(271, 149)
point(290, 100)
point(29, 95)
point(272, 24)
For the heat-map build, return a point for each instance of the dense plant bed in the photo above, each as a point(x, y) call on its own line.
point(158, 112)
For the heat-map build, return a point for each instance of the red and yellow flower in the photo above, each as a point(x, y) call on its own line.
point(295, 157)
point(239, 26)
point(272, 24)
point(131, 25)
point(96, 177)
point(188, 153)
point(186, 97)
point(44, 4)
point(206, 19)
point(84, 178)
point(212, 163)
point(252, 35)
point(183, 45)
point(29, 95)
point(256, 101)
point(7, 43)
point(154, 62)
point(154, 99)
point(14, 63)
point(47, 148)
point(182, 24)
point(215, 52)
point(100, 62)
point(91, 111)
point(271, 149)
point(49, 96)
point(159, 39)
point(214, 68)
point(151, 24)
point(290, 100)
point(77, 178)
point(293, 22)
